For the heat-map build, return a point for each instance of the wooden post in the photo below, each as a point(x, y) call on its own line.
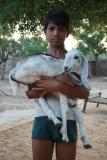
point(85, 104)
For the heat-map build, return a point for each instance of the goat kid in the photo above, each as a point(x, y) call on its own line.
point(27, 71)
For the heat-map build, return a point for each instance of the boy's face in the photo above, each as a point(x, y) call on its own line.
point(56, 35)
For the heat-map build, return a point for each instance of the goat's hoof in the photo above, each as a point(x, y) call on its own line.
point(88, 146)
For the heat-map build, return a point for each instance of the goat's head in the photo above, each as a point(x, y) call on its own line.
point(76, 62)
point(73, 61)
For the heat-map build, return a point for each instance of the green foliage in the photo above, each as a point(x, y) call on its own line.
point(28, 14)
point(24, 47)
point(85, 49)
point(5, 31)
point(31, 46)
point(8, 47)
point(91, 44)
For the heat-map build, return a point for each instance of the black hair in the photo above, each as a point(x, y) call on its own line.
point(58, 17)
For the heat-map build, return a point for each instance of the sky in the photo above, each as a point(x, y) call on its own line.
point(70, 43)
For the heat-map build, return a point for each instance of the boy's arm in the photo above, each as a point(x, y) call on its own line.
point(69, 88)
point(60, 83)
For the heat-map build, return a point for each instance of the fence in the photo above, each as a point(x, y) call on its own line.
point(102, 67)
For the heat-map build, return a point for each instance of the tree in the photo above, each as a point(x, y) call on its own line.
point(30, 46)
point(29, 14)
point(7, 47)
point(10, 47)
point(91, 44)
point(5, 31)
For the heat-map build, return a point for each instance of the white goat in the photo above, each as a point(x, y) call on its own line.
point(27, 71)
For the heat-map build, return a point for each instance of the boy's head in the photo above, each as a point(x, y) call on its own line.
point(59, 18)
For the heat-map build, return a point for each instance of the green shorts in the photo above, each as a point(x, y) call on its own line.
point(43, 128)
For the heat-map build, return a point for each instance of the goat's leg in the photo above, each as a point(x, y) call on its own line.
point(64, 110)
point(48, 111)
point(83, 133)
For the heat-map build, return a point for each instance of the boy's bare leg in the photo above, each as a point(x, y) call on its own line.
point(66, 151)
point(42, 149)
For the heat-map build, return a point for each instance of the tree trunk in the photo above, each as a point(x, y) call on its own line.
point(3, 66)
point(89, 71)
point(96, 66)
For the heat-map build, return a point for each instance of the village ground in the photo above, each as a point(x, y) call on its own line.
point(16, 118)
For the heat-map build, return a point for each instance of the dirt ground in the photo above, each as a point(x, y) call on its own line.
point(15, 135)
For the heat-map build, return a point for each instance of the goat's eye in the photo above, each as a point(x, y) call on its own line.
point(76, 57)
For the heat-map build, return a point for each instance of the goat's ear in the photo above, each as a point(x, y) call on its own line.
point(84, 72)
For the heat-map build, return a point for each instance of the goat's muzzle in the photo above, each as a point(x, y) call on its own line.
point(67, 69)
point(13, 79)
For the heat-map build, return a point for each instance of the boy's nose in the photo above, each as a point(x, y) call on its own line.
point(56, 32)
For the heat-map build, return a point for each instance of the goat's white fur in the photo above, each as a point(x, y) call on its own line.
point(27, 71)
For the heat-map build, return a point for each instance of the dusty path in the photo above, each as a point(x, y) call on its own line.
point(15, 143)
point(15, 137)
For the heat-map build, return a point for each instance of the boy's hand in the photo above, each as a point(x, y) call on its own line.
point(35, 93)
point(47, 84)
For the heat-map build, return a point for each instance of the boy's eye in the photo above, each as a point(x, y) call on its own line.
point(51, 28)
point(76, 57)
point(61, 28)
